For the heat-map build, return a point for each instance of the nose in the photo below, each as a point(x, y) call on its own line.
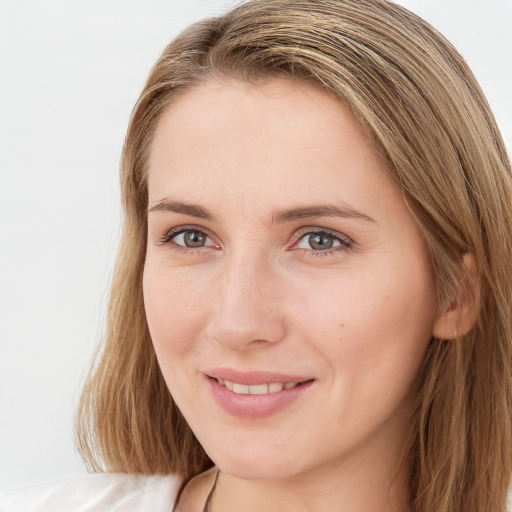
point(248, 310)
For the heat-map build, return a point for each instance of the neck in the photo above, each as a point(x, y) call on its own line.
point(346, 487)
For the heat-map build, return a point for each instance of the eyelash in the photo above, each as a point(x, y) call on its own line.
point(345, 242)
point(167, 239)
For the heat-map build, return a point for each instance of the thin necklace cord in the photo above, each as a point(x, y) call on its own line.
point(208, 501)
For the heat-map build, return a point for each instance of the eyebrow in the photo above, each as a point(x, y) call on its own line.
point(193, 210)
point(287, 215)
point(327, 210)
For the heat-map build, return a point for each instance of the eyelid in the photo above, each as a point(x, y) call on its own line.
point(345, 241)
point(169, 235)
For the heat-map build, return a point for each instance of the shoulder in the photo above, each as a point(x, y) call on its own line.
point(99, 492)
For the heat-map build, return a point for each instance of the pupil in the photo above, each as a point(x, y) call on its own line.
point(321, 241)
point(194, 239)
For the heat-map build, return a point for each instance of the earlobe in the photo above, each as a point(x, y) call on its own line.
point(461, 314)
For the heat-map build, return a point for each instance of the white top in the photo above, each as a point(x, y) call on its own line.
point(99, 492)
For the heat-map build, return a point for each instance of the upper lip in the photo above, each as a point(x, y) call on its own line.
point(254, 377)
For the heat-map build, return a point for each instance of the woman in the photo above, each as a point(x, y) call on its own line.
point(311, 307)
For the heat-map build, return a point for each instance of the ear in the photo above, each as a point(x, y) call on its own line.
point(461, 314)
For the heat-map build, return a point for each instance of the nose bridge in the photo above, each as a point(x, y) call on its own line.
point(247, 309)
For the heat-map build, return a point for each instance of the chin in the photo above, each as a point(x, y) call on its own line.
point(256, 466)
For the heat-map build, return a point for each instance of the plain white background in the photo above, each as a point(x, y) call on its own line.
point(70, 73)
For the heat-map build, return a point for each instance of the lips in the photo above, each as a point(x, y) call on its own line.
point(255, 394)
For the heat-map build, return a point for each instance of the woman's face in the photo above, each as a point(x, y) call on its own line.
point(287, 288)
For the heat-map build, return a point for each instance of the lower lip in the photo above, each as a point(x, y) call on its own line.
point(255, 406)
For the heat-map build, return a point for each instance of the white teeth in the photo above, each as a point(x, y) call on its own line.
point(256, 389)
point(241, 389)
point(275, 387)
point(260, 389)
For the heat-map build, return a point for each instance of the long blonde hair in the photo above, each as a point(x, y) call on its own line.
point(426, 115)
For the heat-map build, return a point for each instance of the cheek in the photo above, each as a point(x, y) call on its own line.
point(174, 308)
point(374, 323)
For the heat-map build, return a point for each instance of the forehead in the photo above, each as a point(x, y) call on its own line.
point(265, 142)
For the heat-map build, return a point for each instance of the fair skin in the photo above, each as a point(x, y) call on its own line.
point(278, 243)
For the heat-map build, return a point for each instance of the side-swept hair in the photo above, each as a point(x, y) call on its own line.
point(426, 115)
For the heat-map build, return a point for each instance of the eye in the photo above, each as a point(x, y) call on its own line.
point(189, 238)
point(323, 241)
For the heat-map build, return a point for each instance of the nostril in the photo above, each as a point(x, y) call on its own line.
point(258, 342)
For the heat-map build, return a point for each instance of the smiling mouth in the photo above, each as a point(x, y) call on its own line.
point(257, 389)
